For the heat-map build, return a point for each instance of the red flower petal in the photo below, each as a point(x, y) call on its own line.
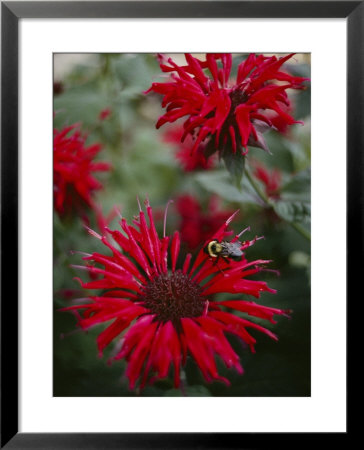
point(176, 242)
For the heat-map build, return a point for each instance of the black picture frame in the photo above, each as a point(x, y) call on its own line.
point(11, 13)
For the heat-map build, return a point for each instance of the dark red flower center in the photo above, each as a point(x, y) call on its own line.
point(172, 297)
point(237, 97)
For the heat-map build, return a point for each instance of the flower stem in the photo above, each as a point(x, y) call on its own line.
point(256, 187)
point(299, 228)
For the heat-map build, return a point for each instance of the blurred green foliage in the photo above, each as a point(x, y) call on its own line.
point(144, 165)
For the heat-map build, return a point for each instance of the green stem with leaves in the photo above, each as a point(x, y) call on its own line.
point(269, 203)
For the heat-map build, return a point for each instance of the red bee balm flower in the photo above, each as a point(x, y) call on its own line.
point(73, 164)
point(215, 107)
point(189, 161)
point(169, 312)
point(104, 113)
point(197, 226)
point(270, 178)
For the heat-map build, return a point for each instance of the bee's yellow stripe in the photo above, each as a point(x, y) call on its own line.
point(218, 249)
point(209, 249)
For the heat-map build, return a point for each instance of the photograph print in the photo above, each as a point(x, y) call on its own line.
point(181, 225)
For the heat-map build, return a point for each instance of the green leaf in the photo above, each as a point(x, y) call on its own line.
point(298, 187)
point(80, 104)
point(134, 74)
point(234, 163)
point(300, 145)
point(293, 211)
point(220, 183)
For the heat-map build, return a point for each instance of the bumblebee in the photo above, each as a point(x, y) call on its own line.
point(224, 249)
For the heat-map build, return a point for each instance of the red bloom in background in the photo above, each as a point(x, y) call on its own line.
point(190, 161)
point(105, 113)
point(73, 168)
point(197, 226)
point(270, 178)
point(221, 110)
point(103, 221)
point(167, 313)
